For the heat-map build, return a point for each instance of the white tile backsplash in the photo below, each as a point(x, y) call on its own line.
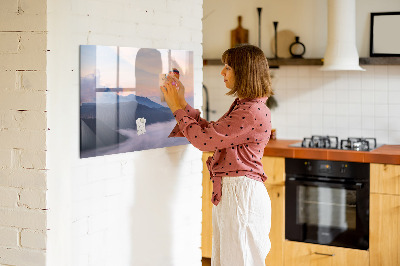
point(342, 103)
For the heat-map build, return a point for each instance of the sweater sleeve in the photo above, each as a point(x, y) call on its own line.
point(229, 131)
point(193, 113)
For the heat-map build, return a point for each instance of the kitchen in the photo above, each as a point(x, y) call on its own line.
point(311, 102)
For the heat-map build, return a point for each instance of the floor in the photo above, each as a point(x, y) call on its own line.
point(206, 261)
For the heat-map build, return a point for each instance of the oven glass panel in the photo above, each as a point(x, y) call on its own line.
point(326, 207)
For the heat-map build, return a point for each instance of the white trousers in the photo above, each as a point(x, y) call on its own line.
point(241, 223)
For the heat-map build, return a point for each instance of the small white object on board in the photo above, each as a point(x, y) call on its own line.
point(141, 126)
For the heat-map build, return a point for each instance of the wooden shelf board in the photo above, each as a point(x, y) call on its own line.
point(275, 62)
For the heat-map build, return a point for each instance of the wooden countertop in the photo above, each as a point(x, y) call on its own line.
point(389, 154)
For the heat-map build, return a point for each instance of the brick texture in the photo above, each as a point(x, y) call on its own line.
point(23, 126)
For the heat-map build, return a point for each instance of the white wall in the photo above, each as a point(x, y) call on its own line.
point(311, 102)
point(139, 208)
point(306, 19)
point(23, 133)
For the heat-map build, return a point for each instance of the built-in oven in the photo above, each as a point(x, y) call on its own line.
point(327, 202)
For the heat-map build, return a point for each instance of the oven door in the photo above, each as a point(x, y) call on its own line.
point(327, 213)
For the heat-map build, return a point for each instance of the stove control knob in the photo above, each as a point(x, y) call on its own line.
point(343, 168)
point(308, 166)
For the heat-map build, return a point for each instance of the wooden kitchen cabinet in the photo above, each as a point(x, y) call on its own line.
point(206, 225)
point(385, 178)
point(385, 215)
point(384, 236)
point(305, 254)
point(277, 233)
point(274, 168)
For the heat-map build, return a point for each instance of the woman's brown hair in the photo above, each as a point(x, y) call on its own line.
point(250, 66)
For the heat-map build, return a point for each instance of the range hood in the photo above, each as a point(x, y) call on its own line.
point(341, 51)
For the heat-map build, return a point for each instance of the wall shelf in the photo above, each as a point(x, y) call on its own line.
point(380, 61)
point(274, 63)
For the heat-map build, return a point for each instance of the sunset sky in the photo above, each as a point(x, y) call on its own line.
point(139, 70)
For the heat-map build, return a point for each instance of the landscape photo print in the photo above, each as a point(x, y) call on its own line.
point(121, 105)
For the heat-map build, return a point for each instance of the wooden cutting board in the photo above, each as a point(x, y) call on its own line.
point(239, 35)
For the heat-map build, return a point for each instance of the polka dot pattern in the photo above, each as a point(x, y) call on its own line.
point(238, 139)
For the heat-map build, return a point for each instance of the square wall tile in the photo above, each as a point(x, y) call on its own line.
point(367, 96)
point(368, 122)
point(291, 71)
point(355, 109)
point(355, 122)
point(394, 110)
point(381, 84)
point(367, 110)
point(382, 136)
point(394, 123)
point(380, 71)
point(355, 96)
point(394, 137)
point(394, 97)
point(381, 110)
point(381, 97)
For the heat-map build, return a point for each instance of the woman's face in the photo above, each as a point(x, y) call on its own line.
point(229, 76)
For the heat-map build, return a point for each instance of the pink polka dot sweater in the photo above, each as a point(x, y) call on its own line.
point(238, 139)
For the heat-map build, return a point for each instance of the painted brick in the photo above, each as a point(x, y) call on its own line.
point(13, 119)
point(30, 80)
point(15, 158)
point(23, 178)
point(12, 21)
point(23, 218)
point(5, 158)
point(8, 197)
point(9, 42)
point(33, 159)
point(33, 199)
point(23, 100)
point(8, 6)
point(33, 239)
point(31, 56)
point(8, 237)
point(33, 7)
point(16, 256)
point(23, 139)
point(7, 80)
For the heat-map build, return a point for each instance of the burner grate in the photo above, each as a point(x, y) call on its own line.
point(358, 144)
point(327, 142)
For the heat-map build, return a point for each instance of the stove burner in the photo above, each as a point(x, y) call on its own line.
point(332, 142)
point(328, 142)
point(358, 144)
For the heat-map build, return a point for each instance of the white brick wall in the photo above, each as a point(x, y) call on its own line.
point(139, 208)
point(23, 132)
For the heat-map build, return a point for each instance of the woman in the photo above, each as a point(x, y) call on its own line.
point(242, 208)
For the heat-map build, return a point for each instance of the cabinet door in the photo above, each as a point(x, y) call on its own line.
point(277, 233)
point(274, 168)
point(304, 254)
point(384, 230)
point(385, 178)
point(206, 225)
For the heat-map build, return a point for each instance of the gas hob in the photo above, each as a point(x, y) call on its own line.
point(332, 142)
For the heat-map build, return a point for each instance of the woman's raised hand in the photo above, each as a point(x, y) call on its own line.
point(181, 89)
point(173, 93)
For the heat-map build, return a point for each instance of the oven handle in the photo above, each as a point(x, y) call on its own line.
point(324, 254)
point(357, 185)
